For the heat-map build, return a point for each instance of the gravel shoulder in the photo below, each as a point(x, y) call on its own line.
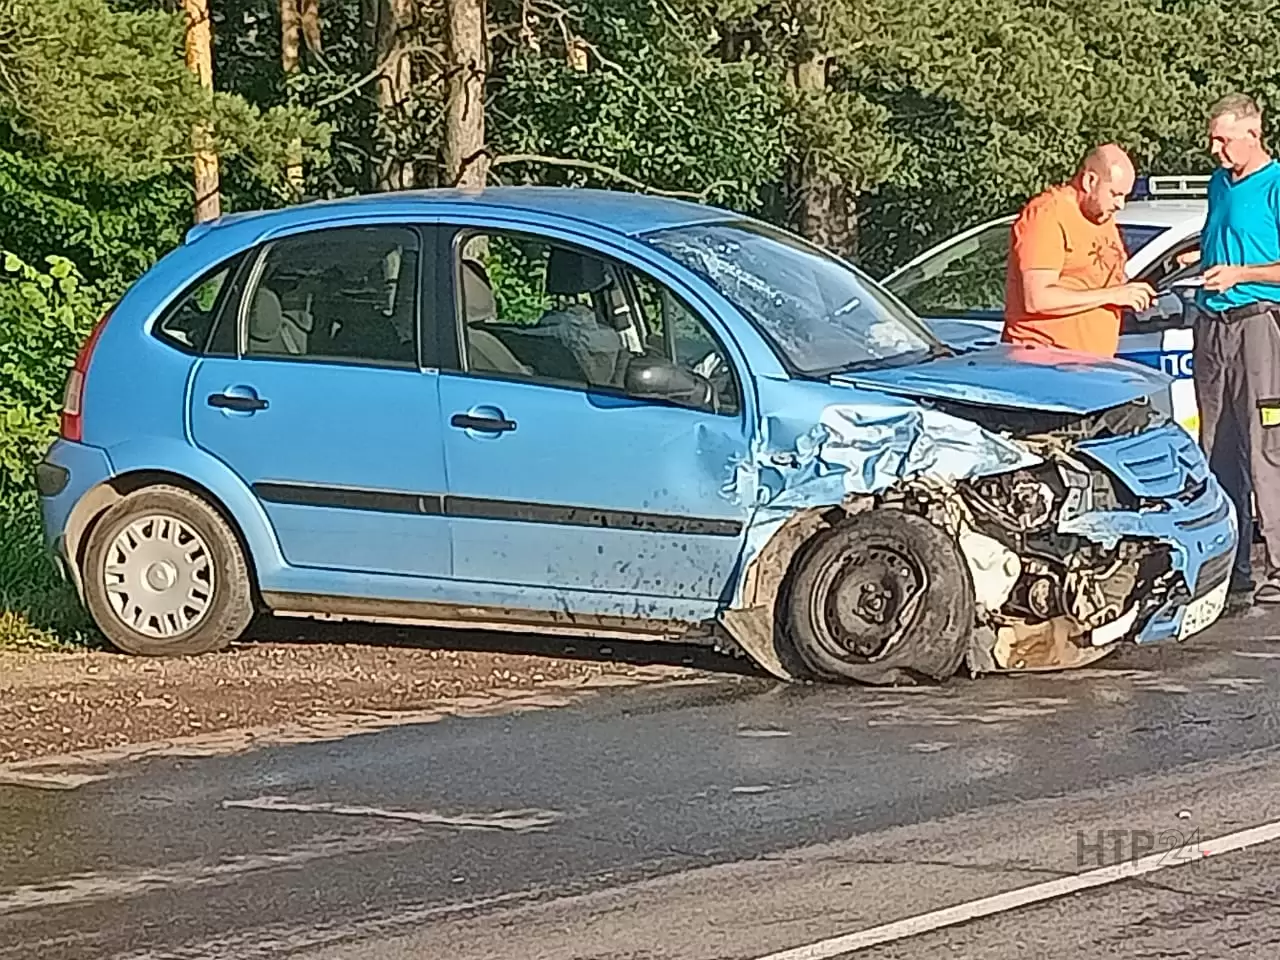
point(59, 703)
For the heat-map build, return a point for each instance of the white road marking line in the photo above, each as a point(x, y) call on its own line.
point(1024, 896)
point(516, 820)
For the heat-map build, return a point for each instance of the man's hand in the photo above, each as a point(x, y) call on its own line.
point(1224, 277)
point(1133, 296)
point(1188, 257)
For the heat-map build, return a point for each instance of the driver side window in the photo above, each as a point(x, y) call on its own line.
point(679, 335)
point(533, 309)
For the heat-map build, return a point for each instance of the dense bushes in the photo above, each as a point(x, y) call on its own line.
point(45, 313)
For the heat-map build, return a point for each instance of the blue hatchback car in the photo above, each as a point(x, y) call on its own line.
point(611, 415)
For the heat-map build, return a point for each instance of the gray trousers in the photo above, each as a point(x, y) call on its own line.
point(1236, 368)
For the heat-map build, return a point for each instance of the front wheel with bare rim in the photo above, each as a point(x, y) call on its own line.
point(165, 576)
point(883, 598)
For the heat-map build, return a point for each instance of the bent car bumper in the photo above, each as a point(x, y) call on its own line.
point(1200, 539)
point(1182, 509)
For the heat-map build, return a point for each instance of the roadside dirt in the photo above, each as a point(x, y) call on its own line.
point(59, 703)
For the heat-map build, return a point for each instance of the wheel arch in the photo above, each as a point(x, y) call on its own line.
point(88, 512)
point(752, 623)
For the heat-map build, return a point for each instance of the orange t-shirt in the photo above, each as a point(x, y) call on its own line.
point(1052, 234)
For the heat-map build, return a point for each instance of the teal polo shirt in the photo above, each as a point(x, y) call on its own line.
point(1242, 229)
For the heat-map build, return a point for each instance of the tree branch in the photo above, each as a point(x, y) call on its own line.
point(607, 171)
point(374, 74)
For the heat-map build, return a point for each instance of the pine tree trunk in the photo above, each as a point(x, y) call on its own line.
point(310, 10)
point(823, 206)
point(389, 23)
point(199, 50)
point(290, 50)
point(465, 161)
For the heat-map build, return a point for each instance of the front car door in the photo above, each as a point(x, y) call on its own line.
point(566, 471)
point(1161, 337)
point(322, 405)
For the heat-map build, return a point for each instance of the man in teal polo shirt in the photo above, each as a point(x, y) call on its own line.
point(1236, 359)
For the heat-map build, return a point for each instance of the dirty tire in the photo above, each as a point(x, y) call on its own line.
point(852, 587)
point(164, 575)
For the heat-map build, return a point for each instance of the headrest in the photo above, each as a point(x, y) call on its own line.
point(570, 273)
point(266, 316)
point(477, 293)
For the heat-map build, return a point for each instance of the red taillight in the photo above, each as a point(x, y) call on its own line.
point(73, 396)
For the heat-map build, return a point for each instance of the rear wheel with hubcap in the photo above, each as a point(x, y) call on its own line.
point(882, 598)
point(165, 576)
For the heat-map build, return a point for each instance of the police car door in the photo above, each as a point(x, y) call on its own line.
point(1161, 336)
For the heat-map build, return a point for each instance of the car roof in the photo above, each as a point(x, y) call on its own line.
point(629, 214)
point(1163, 213)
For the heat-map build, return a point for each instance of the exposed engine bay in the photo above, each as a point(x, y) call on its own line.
point(1048, 599)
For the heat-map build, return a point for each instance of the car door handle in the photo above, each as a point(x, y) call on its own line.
point(227, 401)
point(469, 421)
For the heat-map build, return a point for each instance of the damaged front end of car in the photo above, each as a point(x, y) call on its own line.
point(1120, 533)
point(1079, 531)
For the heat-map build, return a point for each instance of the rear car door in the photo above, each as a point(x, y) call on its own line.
point(320, 400)
point(560, 476)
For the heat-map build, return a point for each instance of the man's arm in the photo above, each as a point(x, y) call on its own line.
point(1224, 277)
point(1043, 294)
point(1038, 252)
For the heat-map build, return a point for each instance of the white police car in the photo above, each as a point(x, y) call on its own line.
point(959, 285)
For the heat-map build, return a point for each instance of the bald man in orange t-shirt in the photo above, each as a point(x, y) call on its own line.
point(1066, 283)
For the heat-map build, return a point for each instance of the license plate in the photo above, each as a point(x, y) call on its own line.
point(1201, 613)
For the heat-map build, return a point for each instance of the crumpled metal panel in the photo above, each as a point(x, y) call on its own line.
point(866, 448)
point(1156, 463)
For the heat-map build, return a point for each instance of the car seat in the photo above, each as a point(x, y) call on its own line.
point(270, 332)
point(484, 350)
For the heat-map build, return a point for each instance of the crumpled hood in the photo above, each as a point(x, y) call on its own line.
point(1029, 378)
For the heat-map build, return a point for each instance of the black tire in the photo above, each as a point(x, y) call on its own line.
point(219, 580)
point(851, 584)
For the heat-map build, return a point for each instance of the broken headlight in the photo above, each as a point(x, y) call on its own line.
point(1022, 501)
point(1087, 489)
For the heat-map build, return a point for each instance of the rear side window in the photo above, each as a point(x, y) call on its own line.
point(189, 322)
point(346, 295)
point(965, 279)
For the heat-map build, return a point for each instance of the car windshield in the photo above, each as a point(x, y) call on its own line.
point(818, 312)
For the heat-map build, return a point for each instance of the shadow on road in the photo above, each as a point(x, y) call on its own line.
point(637, 653)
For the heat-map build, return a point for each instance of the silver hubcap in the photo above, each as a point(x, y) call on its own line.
point(159, 576)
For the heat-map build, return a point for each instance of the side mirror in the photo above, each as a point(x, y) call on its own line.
point(658, 377)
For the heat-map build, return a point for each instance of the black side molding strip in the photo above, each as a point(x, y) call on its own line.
point(347, 498)
point(434, 504)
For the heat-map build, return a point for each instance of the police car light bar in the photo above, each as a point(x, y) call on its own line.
point(1170, 186)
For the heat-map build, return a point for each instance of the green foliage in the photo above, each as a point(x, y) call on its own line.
point(327, 86)
point(38, 610)
point(657, 104)
point(109, 90)
point(113, 230)
point(45, 314)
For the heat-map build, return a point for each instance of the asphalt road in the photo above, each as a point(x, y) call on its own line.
point(737, 818)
